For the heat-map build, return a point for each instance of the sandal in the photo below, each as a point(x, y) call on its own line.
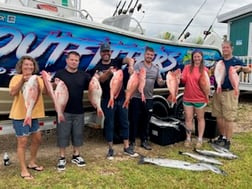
point(27, 177)
point(36, 168)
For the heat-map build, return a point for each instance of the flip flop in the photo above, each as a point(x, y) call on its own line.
point(36, 168)
point(27, 177)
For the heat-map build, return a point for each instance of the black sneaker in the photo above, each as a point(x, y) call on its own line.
point(79, 161)
point(130, 152)
point(146, 145)
point(132, 145)
point(220, 141)
point(227, 145)
point(110, 154)
point(61, 166)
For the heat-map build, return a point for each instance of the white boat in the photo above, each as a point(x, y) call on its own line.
point(48, 29)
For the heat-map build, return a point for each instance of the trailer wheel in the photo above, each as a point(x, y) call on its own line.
point(160, 108)
point(179, 109)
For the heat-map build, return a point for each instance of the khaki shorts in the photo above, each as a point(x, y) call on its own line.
point(225, 104)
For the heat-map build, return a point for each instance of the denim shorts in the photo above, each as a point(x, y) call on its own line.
point(25, 130)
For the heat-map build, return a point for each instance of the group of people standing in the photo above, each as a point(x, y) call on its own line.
point(133, 121)
point(224, 103)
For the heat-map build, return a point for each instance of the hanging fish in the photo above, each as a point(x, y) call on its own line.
point(30, 93)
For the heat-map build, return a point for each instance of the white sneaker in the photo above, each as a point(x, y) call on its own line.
point(61, 166)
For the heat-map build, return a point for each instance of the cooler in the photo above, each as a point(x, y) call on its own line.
point(165, 132)
point(211, 130)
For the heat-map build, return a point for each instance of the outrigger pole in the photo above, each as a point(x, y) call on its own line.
point(117, 6)
point(132, 9)
point(125, 11)
point(191, 20)
point(206, 33)
point(121, 9)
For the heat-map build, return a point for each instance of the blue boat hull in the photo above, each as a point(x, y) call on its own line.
point(49, 39)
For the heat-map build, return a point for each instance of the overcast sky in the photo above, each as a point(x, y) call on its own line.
point(170, 15)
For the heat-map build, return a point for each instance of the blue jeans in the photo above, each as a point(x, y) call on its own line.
point(139, 118)
point(109, 121)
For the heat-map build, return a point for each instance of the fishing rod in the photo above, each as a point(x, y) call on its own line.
point(132, 9)
point(206, 33)
point(117, 8)
point(125, 11)
point(121, 10)
point(191, 20)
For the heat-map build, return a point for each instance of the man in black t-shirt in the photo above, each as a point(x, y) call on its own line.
point(76, 81)
point(105, 69)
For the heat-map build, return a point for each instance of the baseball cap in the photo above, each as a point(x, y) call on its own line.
point(105, 47)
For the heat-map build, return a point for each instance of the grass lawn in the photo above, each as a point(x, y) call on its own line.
point(125, 172)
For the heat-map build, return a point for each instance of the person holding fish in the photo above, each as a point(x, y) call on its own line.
point(197, 87)
point(28, 105)
point(69, 96)
point(110, 76)
point(225, 98)
point(141, 104)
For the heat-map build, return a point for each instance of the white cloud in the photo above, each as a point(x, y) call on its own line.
point(170, 15)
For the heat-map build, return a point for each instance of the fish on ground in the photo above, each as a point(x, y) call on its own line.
point(116, 84)
point(216, 154)
point(202, 158)
point(220, 148)
point(204, 83)
point(234, 79)
point(178, 164)
point(95, 94)
point(142, 81)
point(30, 94)
point(132, 86)
point(172, 82)
point(61, 98)
point(219, 74)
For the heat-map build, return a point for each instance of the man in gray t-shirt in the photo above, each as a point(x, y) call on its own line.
point(141, 105)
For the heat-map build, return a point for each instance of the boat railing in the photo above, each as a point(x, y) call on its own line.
point(246, 78)
point(77, 12)
point(52, 7)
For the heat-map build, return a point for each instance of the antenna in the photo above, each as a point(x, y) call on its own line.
point(132, 9)
point(125, 11)
point(121, 10)
point(117, 7)
point(191, 20)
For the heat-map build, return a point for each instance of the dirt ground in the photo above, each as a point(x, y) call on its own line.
point(95, 145)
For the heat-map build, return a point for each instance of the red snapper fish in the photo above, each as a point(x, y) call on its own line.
point(116, 83)
point(219, 74)
point(47, 81)
point(142, 81)
point(30, 94)
point(61, 98)
point(172, 82)
point(132, 86)
point(234, 79)
point(204, 83)
point(95, 93)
